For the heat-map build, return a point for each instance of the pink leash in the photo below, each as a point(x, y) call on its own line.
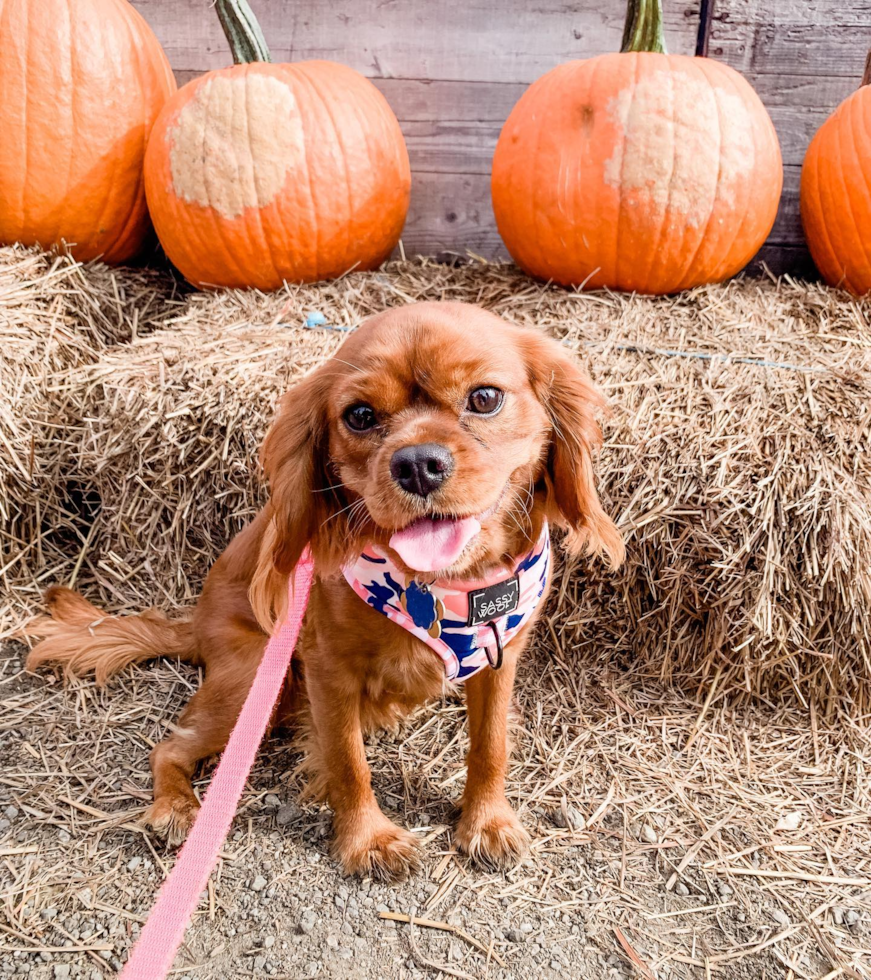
point(162, 934)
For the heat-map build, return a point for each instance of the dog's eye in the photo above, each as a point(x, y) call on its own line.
point(360, 418)
point(485, 401)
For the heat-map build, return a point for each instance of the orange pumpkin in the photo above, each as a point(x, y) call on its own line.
point(81, 83)
point(836, 192)
point(639, 170)
point(262, 173)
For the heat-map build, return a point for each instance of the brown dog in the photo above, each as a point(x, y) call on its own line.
point(435, 446)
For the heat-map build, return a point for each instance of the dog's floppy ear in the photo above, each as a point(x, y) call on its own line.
point(572, 404)
point(304, 503)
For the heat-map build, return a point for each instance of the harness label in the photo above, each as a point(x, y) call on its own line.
point(493, 602)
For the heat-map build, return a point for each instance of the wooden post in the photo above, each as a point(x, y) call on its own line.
point(706, 15)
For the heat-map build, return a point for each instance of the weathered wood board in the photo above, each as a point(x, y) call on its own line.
point(456, 40)
point(453, 70)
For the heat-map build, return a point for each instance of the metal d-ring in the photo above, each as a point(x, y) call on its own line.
point(499, 651)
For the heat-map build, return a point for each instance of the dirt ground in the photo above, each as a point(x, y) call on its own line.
point(674, 837)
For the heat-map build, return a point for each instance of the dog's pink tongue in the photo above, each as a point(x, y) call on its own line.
point(430, 545)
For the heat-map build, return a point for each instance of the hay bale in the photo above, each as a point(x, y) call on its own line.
point(744, 485)
point(736, 462)
point(173, 454)
point(55, 315)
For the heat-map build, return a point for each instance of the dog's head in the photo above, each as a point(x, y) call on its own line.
point(443, 433)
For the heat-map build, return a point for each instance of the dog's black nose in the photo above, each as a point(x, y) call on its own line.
point(421, 469)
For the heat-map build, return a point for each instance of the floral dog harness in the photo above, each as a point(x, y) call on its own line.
point(466, 625)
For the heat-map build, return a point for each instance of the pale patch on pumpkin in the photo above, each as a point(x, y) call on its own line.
point(687, 144)
point(234, 143)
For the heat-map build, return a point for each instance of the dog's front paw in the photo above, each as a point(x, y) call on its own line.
point(171, 817)
point(492, 835)
point(372, 844)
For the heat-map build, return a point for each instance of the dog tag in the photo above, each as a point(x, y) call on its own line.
point(493, 602)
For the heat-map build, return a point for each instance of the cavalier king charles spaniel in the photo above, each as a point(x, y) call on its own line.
point(423, 465)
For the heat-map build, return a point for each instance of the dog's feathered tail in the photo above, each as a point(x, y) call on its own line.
point(81, 639)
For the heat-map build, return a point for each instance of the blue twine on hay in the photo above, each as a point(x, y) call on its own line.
point(725, 358)
point(328, 326)
point(318, 322)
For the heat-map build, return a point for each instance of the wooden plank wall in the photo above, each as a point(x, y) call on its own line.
point(453, 69)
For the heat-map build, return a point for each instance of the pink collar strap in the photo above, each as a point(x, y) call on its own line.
point(466, 624)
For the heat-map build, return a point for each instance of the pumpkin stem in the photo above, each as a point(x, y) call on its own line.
point(643, 29)
point(242, 31)
point(866, 77)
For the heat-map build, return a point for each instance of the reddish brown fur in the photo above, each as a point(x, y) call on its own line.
point(354, 670)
